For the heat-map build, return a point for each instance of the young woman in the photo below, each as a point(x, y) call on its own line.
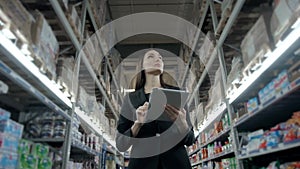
point(156, 144)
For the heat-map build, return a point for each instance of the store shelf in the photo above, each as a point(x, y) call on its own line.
point(48, 140)
point(96, 129)
point(283, 50)
point(195, 151)
point(79, 148)
point(235, 11)
point(211, 117)
point(220, 155)
point(220, 136)
point(61, 16)
point(280, 107)
point(17, 57)
point(280, 147)
point(7, 71)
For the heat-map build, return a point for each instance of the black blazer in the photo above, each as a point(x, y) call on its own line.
point(158, 145)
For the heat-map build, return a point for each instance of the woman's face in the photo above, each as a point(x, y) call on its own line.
point(153, 62)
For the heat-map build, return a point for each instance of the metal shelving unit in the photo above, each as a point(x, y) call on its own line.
point(218, 52)
point(272, 108)
point(280, 147)
point(280, 107)
point(218, 156)
point(19, 68)
point(61, 16)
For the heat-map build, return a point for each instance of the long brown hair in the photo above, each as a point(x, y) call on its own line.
point(139, 79)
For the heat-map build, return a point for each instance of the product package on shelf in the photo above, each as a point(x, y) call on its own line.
point(99, 11)
point(8, 160)
point(207, 48)
point(200, 113)
point(283, 133)
point(93, 52)
point(294, 71)
point(252, 105)
point(12, 128)
point(285, 14)
point(24, 146)
point(278, 86)
point(215, 92)
point(4, 114)
point(241, 110)
point(45, 46)
point(267, 93)
point(49, 125)
point(65, 74)
point(254, 140)
point(235, 76)
point(74, 20)
point(33, 155)
point(27, 161)
point(18, 20)
point(229, 163)
point(282, 82)
point(3, 87)
point(8, 142)
point(256, 43)
point(40, 150)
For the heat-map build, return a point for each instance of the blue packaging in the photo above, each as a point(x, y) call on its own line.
point(11, 127)
point(4, 115)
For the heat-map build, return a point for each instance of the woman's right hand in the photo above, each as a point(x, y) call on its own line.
point(141, 113)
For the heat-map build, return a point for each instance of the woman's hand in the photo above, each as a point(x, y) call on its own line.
point(177, 116)
point(141, 113)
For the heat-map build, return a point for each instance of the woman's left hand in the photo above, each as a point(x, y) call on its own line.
point(177, 116)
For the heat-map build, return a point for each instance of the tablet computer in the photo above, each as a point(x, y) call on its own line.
point(159, 97)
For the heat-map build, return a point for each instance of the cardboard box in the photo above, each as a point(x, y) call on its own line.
point(257, 41)
point(207, 48)
point(236, 73)
point(65, 72)
point(75, 18)
point(99, 9)
point(284, 15)
point(19, 16)
point(45, 43)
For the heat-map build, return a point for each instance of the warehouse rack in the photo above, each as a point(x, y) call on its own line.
point(259, 118)
point(29, 77)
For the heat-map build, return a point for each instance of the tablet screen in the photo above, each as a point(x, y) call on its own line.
point(159, 97)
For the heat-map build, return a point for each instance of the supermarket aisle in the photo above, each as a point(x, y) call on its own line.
point(62, 87)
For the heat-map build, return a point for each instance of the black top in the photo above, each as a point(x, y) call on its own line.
point(158, 144)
